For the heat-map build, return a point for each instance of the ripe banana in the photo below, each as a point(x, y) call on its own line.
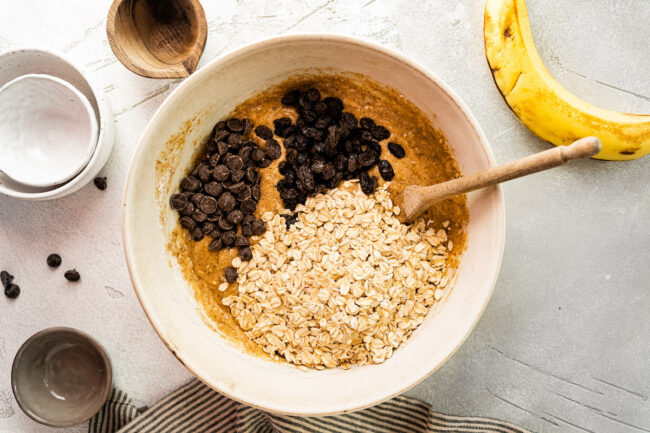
point(540, 102)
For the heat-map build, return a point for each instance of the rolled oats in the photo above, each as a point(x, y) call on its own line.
point(344, 285)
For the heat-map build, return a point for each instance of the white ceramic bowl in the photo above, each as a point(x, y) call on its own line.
point(18, 62)
point(194, 107)
point(48, 130)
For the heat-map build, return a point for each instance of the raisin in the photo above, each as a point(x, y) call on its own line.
point(291, 98)
point(72, 275)
point(366, 123)
point(396, 149)
point(231, 274)
point(366, 183)
point(349, 121)
point(100, 183)
point(386, 170)
point(54, 260)
point(289, 220)
point(313, 95)
point(379, 132)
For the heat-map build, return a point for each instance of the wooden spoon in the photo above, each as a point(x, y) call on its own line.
point(157, 38)
point(413, 199)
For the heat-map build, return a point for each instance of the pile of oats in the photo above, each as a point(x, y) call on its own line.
point(345, 285)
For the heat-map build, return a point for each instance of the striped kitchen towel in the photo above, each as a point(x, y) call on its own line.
point(197, 408)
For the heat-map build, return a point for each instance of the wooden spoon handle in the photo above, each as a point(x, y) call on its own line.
point(424, 196)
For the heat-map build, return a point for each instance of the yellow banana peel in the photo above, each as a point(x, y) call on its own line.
point(540, 102)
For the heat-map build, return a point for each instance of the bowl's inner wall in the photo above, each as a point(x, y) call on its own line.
point(209, 96)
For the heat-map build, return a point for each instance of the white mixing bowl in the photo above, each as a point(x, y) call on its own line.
point(189, 114)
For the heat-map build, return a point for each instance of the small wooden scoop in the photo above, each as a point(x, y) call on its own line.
point(157, 38)
point(413, 200)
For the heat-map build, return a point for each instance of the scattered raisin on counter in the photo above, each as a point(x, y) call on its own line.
point(72, 275)
point(54, 260)
point(12, 291)
point(100, 183)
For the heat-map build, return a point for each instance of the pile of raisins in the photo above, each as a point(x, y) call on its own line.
point(219, 196)
point(327, 145)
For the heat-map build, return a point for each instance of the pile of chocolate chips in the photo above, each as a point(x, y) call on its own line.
point(327, 145)
point(219, 196)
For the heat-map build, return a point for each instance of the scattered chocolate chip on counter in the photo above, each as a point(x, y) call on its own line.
point(6, 278)
point(72, 275)
point(12, 291)
point(100, 183)
point(54, 260)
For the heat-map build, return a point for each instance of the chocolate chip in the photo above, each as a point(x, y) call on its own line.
point(216, 244)
point(244, 194)
point(187, 223)
point(231, 274)
point(214, 216)
point(224, 224)
point(54, 260)
point(264, 132)
point(220, 135)
point(12, 291)
point(6, 278)
point(234, 125)
point(386, 170)
point(190, 183)
point(248, 219)
point(178, 201)
point(248, 206)
point(234, 162)
point(205, 170)
point(72, 275)
point(188, 209)
point(221, 125)
point(242, 241)
point(229, 237)
point(291, 98)
point(256, 192)
point(313, 95)
point(247, 126)
point(196, 198)
point(237, 188)
point(258, 155)
point(273, 149)
point(237, 175)
point(281, 125)
point(208, 227)
point(197, 234)
point(220, 172)
point(247, 230)
point(258, 227)
point(235, 216)
point(265, 162)
point(214, 189)
point(396, 149)
point(199, 216)
point(100, 183)
point(235, 142)
point(208, 204)
point(245, 254)
point(223, 147)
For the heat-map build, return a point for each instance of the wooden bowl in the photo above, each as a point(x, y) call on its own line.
point(186, 119)
point(157, 38)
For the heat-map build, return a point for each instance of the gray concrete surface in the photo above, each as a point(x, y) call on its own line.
point(564, 345)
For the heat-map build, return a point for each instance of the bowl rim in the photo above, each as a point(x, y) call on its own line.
point(89, 118)
point(100, 349)
point(105, 136)
point(276, 407)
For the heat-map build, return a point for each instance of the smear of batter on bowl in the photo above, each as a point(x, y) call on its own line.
point(358, 317)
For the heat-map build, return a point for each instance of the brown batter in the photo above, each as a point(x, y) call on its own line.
point(427, 161)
